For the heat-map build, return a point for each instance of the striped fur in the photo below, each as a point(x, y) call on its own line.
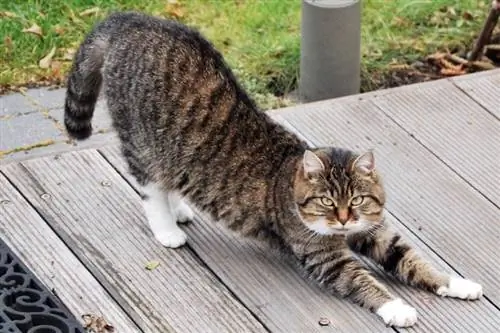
point(188, 129)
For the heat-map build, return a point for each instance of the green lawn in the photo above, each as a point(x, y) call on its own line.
point(259, 38)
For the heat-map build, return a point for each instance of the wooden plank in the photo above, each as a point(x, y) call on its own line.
point(270, 287)
point(100, 216)
point(483, 87)
point(454, 127)
point(53, 262)
point(429, 198)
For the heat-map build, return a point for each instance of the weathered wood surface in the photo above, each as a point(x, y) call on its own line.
point(53, 262)
point(453, 127)
point(99, 216)
point(436, 145)
point(484, 88)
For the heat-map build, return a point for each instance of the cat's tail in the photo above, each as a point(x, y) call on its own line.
point(83, 86)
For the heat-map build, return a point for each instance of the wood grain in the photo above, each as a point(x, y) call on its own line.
point(100, 217)
point(453, 127)
point(54, 263)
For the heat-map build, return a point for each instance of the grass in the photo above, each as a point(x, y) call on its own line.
point(259, 38)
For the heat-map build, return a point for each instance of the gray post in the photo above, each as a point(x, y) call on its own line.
point(330, 49)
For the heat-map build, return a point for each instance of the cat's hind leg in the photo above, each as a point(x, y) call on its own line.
point(162, 210)
point(182, 211)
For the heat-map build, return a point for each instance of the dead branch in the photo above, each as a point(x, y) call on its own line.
point(485, 35)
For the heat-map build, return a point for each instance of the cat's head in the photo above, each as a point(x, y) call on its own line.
point(337, 191)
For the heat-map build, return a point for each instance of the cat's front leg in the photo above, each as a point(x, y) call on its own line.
point(387, 248)
point(340, 272)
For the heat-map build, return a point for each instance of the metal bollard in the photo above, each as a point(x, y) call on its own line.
point(330, 58)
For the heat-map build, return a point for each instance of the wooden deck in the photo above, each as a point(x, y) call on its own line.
point(76, 219)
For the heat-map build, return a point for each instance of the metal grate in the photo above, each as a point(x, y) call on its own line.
point(26, 305)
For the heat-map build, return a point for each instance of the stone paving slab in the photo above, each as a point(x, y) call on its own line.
point(27, 130)
point(32, 124)
point(47, 98)
point(15, 104)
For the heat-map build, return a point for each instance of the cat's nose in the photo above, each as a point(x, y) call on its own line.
point(343, 216)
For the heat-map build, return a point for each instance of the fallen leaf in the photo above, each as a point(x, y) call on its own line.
point(7, 14)
point(59, 30)
point(90, 11)
point(7, 41)
point(47, 60)
point(96, 324)
point(437, 56)
point(152, 265)
point(401, 22)
point(34, 29)
point(174, 9)
point(56, 67)
point(467, 16)
point(452, 71)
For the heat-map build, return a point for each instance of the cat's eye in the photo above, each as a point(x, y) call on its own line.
point(327, 201)
point(356, 201)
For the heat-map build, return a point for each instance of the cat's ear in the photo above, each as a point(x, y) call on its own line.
point(365, 163)
point(312, 164)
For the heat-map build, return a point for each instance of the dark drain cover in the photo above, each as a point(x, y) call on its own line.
point(26, 305)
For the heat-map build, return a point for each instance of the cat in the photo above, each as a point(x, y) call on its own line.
point(191, 135)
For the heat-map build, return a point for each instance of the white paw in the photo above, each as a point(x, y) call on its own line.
point(172, 238)
point(184, 213)
point(461, 288)
point(396, 313)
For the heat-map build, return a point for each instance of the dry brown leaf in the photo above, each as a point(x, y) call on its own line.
point(467, 16)
point(401, 22)
point(34, 29)
point(90, 11)
point(97, 324)
point(56, 67)
point(59, 30)
point(452, 70)
point(56, 70)
point(400, 66)
point(437, 56)
point(174, 9)
point(7, 41)
point(457, 59)
point(7, 14)
point(46, 61)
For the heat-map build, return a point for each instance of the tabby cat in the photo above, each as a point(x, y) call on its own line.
point(190, 133)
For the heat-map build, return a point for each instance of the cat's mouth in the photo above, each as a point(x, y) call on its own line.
point(325, 227)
